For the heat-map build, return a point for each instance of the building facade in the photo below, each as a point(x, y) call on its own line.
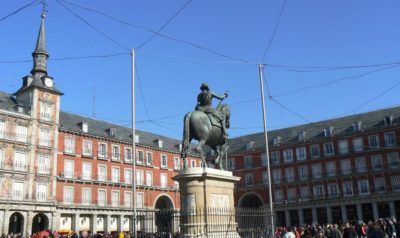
point(63, 171)
point(327, 172)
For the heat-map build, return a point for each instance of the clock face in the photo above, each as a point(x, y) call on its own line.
point(48, 82)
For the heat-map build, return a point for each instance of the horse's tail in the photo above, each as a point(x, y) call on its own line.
point(186, 135)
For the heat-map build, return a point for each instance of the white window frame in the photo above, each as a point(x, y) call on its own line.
point(265, 178)
point(20, 160)
point(303, 172)
point(22, 133)
point(318, 191)
point(139, 199)
point(177, 163)
point(329, 149)
point(128, 154)
point(86, 201)
point(373, 139)
point(315, 148)
point(363, 187)
point(393, 160)
point(149, 158)
point(69, 145)
point(277, 176)
point(358, 144)
point(333, 190)
point(140, 159)
point(45, 111)
point(163, 184)
point(101, 177)
point(140, 177)
point(41, 195)
point(2, 129)
point(301, 153)
point(193, 163)
point(87, 174)
point(361, 165)
point(69, 174)
point(348, 189)
point(248, 179)
point(291, 194)
point(115, 152)
point(163, 163)
point(289, 174)
point(102, 149)
point(390, 138)
point(87, 147)
point(379, 184)
point(248, 161)
point(345, 166)
point(45, 137)
point(276, 157)
point(128, 179)
point(43, 164)
point(343, 146)
point(331, 169)
point(376, 162)
point(316, 170)
point(100, 202)
point(68, 198)
point(288, 155)
point(304, 193)
point(127, 203)
point(149, 178)
point(115, 174)
point(115, 203)
point(278, 196)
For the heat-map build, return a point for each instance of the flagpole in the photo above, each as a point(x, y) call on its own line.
point(261, 69)
point(134, 144)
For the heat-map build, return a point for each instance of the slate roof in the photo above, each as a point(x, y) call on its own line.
point(314, 131)
point(8, 102)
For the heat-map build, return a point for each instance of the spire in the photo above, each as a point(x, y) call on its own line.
point(40, 54)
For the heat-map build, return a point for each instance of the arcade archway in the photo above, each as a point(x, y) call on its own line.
point(164, 215)
point(250, 200)
point(40, 223)
point(16, 224)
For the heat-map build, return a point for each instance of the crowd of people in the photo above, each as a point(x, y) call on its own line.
point(381, 228)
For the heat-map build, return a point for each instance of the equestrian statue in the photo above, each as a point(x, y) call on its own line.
point(208, 125)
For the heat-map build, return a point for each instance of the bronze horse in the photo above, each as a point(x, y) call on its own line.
point(198, 125)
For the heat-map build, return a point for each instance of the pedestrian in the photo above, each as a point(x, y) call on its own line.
point(289, 233)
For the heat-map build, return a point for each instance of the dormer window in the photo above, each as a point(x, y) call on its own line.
point(137, 139)
point(159, 143)
point(328, 132)
point(388, 120)
point(301, 136)
point(276, 141)
point(85, 127)
point(249, 145)
point(112, 132)
point(357, 126)
point(180, 147)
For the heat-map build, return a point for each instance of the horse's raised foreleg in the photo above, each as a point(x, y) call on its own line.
point(201, 152)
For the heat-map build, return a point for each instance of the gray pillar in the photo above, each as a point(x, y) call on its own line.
point(314, 215)
point(392, 209)
point(359, 212)
point(287, 218)
point(107, 223)
point(344, 213)
point(56, 221)
point(2, 219)
point(329, 215)
point(6, 221)
point(29, 220)
point(375, 210)
point(301, 217)
point(120, 223)
point(93, 228)
point(76, 222)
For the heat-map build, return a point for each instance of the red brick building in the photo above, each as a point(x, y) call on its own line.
point(330, 171)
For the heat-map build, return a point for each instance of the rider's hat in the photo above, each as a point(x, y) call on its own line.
point(204, 86)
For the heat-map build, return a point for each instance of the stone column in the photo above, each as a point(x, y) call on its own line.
point(2, 219)
point(375, 210)
point(344, 213)
point(314, 215)
point(329, 215)
point(392, 209)
point(93, 228)
point(107, 223)
point(301, 217)
point(6, 221)
point(287, 218)
point(56, 221)
point(359, 212)
point(120, 222)
point(28, 222)
point(76, 222)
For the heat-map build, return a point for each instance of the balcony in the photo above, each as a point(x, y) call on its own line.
point(9, 136)
point(18, 167)
point(95, 203)
point(45, 142)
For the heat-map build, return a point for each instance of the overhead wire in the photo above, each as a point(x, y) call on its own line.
point(19, 9)
point(164, 25)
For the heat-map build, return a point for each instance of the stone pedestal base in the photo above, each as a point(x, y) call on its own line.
point(207, 203)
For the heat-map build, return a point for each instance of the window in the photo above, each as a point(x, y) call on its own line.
point(163, 180)
point(22, 133)
point(2, 126)
point(305, 193)
point(376, 161)
point(248, 162)
point(358, 144)
point(265, 178)
point(102, 173)
point(345, 167)
point(390, 139)
point(333, 190)
point(43, 164)
point(395, 181)
point(149, 158)
point(139, 157)
point(69, 169)
point(115, 152)
point(343, 147)
point(193, 163)
point(316, 170)
point(276, 176)
point(115, 174)
point(347, 189)
point(231, 164)
point(85, 127)
point(128, 199)
point(45, 137)
point(41, 192)
point(301, 153)
point(289, 172)
point(363, 186)
point(164, 162)
point(139, 177)
point(318, 191)
point(393, 159)
point(128, 176)
point(20, 161)
point(303, 172)
point(18, 190)
point(373, 141)
point(331, 168)
point(115, 198)
point(45, 111)
point(291, 194)
point(275, 157)
point(87, 148)
point(87, 171)
point(264, 161)
point(68, 195)
point(287, 155)
point(177, 163)
point(128, 155)
point(278, 195)
point(361, 165)
point(139, 200)
point(379, 184)
point(102, 200)
point(69, 145)
point(149, 178)
point(249, 180)
point(1, 157)
point(86, 196)
point(314, 151)
point(102, 151)
point(328, 149)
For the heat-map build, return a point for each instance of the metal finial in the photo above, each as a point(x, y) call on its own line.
point(43, 2)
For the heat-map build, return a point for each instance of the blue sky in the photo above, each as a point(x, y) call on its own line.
point(310, 33)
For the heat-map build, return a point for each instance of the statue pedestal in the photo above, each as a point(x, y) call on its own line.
point(207, 203)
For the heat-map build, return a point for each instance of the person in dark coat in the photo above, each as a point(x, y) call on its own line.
point(335, 232)
point(349, 231)
point(374, 231)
